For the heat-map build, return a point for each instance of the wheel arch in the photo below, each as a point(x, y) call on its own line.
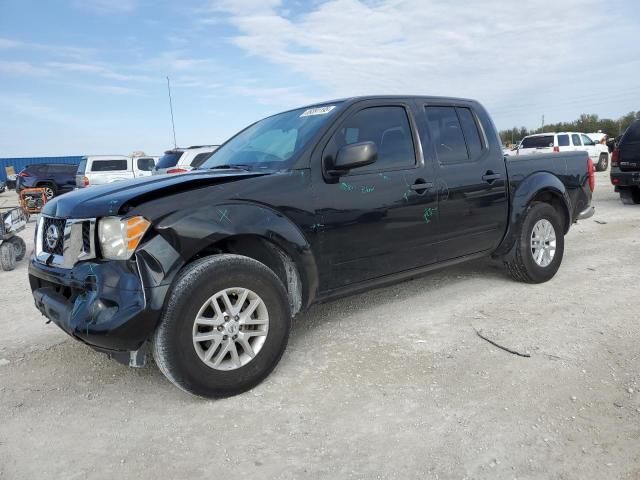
point(255, 231)
point(539, 187)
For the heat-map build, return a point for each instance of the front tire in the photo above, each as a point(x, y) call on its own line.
point(224, 328)
point(537, 254)
point(603, 162)
point(19, 246)
point(7, 256)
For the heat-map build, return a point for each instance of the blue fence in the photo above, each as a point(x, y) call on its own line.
point(19, 163)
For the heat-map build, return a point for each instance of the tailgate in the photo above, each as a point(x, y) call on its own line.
point(629, 157)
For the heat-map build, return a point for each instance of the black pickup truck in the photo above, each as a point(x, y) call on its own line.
point(206, 269)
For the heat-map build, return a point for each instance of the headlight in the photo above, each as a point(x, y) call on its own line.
point(119, 237)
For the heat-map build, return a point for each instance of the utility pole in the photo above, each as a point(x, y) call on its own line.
point(542, 127)
point(173, 126)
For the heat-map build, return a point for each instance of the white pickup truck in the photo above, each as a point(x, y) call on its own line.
point(101, 169)
point(566, 142)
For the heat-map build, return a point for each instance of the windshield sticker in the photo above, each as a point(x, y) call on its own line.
point(317, 111)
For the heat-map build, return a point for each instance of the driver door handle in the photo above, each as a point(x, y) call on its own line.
point(421, 186)
point(490, 177)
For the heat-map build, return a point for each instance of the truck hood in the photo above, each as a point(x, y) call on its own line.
point(110, 199)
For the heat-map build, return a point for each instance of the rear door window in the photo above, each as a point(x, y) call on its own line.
point(145, 164)
point(575, 138)
point(200, 159)
point(446, 134)
point(563, 140)
point(471, 133)
point(169, 159)
point(538, 141)
point(108, 165)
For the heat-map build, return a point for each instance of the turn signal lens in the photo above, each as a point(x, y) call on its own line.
point(119, 237)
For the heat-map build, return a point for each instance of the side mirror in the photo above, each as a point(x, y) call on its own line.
point(355, 155)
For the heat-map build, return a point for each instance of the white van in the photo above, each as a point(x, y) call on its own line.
point(101, 169)
point(566, 142)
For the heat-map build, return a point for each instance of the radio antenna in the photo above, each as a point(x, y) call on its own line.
point(173, 125)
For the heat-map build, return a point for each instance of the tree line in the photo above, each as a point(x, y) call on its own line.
point(587, 123)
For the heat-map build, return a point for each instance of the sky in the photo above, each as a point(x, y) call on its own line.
point(89, 76)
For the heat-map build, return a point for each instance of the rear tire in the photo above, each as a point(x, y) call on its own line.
point(191, 365)
point(7, 256)
point(630, 195)
point(603, 162)
point(50, 190)
point(19, 246)
point(526, 263)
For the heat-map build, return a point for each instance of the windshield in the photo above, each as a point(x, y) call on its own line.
point(169, 159)
point(272, 143)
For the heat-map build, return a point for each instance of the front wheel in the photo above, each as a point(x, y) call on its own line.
point(539, 248)
point(225, 326)
point(19, 246)
point(7, 256)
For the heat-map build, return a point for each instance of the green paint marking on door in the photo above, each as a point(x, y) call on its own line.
point(428, 213)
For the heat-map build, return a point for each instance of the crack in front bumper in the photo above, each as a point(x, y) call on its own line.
point(103, 304)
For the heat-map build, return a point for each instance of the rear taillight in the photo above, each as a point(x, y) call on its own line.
point(86, 181)
point(615, 158)
point(23, 174)
point(176, 170)
point(556, 149)
point(592, 176)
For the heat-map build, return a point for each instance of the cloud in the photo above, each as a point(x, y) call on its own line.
point(497, 51)
point(21, 68)
point(56, 50)
point(100, 69)
point(108, 6)
point(27, 106)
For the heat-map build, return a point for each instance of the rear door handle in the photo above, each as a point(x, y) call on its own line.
point(491, 177)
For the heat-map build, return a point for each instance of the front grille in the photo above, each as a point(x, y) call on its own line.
point(48, 235)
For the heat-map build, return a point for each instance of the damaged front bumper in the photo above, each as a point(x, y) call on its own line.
point(101, 303)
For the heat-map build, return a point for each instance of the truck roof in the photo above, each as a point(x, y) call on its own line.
point(388, 97)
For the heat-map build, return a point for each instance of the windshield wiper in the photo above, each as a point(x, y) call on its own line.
point(235, 166)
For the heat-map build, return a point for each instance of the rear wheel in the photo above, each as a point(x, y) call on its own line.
point(225, 326)
point(49, 190)
point(7, 256)
point(19, 246)
point(539, 248)
point(630, 195)
point(603, 162)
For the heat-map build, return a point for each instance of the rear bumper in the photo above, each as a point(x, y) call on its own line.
point(624, 179)
point(103, 304)
point(587, 213)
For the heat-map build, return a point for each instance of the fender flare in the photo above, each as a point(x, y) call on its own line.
point(530, 188)
point(182, 237)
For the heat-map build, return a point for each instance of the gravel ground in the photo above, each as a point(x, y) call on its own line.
point(393, 383)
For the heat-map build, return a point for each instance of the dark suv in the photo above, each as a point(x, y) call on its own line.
point(55, 178)
point(625, 165)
